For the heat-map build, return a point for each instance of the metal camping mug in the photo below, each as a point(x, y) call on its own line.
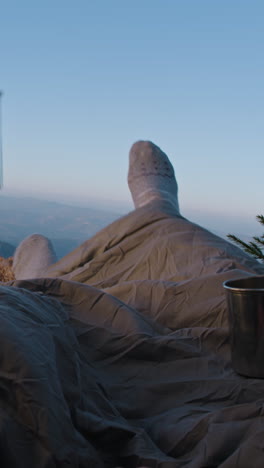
point(245, 302)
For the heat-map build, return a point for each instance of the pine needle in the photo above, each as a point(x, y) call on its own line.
point(254, 247)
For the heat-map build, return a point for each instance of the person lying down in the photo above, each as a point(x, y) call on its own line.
point(154, 191)
point(118, 354)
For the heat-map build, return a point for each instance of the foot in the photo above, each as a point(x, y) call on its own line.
point(151, 175)
point(32, 257)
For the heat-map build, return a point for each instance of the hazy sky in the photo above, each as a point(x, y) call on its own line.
point(83, 80)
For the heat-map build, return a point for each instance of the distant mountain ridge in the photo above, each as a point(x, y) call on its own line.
point(6, 249)
point(67, 226)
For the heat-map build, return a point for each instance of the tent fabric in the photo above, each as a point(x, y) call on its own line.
point(120, 356)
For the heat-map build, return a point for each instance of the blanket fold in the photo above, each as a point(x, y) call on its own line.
point(121, 357)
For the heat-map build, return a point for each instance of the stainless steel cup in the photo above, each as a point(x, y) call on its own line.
point(245, 301)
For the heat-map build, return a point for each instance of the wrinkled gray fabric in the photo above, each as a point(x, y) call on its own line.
point(120, 357)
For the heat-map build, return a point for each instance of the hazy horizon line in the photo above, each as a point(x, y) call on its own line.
point(218, 222)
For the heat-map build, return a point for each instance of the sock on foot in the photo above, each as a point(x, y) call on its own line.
point(151, 175)
point(33, 256)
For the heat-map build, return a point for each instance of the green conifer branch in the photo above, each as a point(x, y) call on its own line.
point(254, 249)
point(259, 240)
point(260, 219)
point(238, 241)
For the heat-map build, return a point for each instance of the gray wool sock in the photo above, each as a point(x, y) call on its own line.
point(33, 256)
point(151, 175)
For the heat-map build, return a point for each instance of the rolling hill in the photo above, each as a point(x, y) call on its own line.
point(67, 226)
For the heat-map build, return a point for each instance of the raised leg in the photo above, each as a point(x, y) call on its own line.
point(33, 256)
point(151, 175)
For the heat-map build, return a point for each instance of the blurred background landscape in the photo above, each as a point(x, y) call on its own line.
point(66, 226)
point(69, 225)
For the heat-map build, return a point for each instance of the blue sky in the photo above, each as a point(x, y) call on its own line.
point(83, 80)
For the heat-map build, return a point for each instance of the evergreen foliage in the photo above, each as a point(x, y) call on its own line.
point(254, 247)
